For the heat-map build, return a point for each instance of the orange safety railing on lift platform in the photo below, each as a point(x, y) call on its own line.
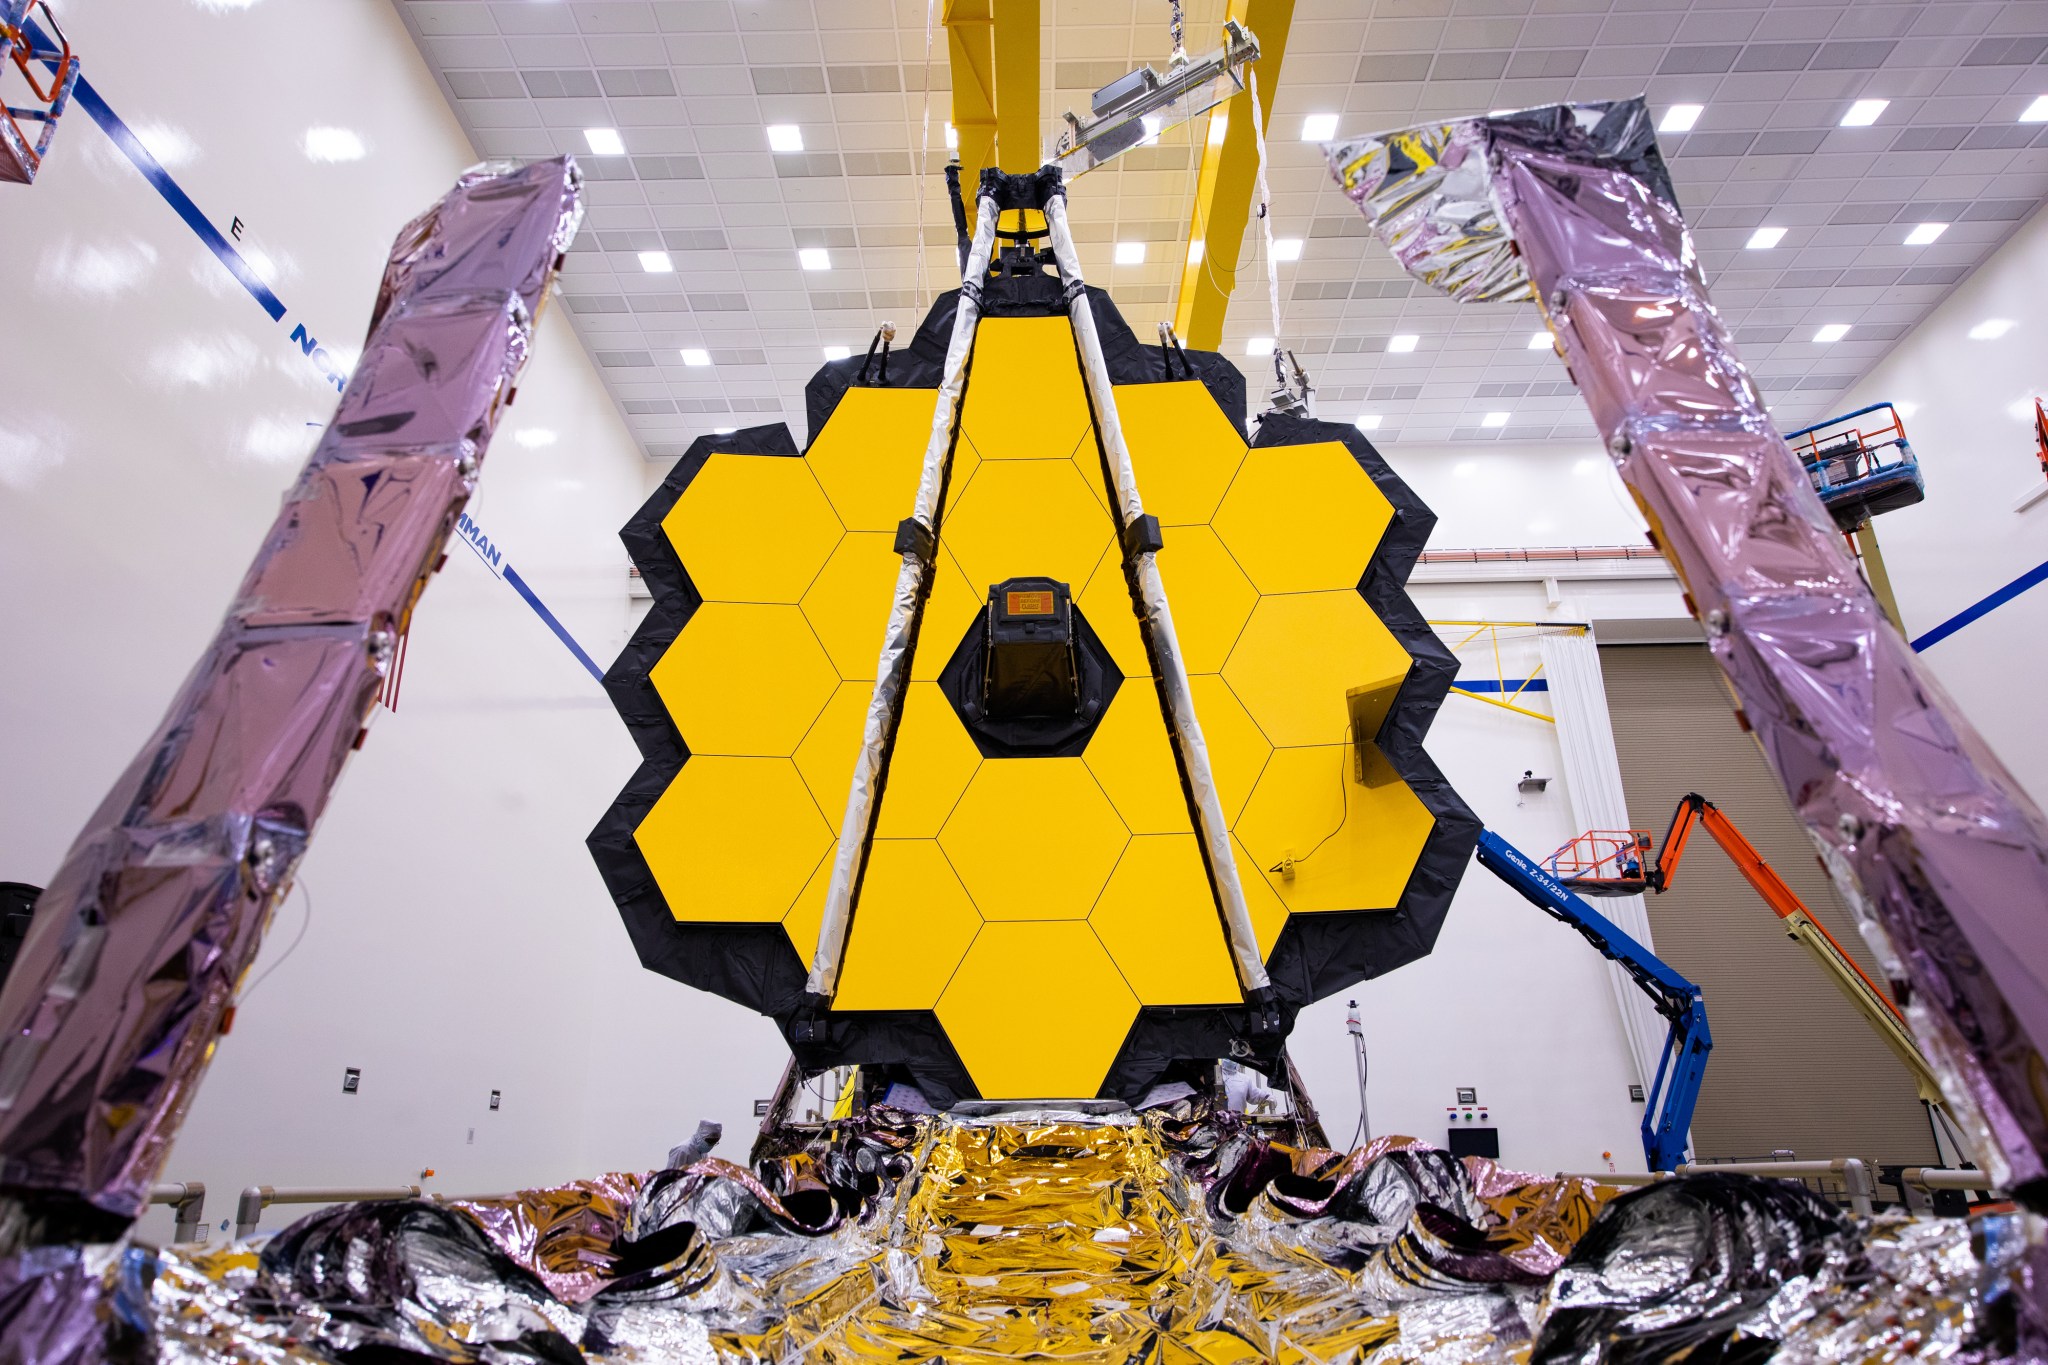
point(1603, 862)
point(1816, 443)
point(1860, 470)
point(1622, 862)
point(21, 156)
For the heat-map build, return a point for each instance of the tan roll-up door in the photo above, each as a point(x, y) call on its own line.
point(1794, 1065)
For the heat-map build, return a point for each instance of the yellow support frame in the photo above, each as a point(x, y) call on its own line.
point(993, 47)
point(970, 53)
point(1223, 188)
point(1492, 630)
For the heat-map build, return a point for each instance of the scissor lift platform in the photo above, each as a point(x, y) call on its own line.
point(1860, 467)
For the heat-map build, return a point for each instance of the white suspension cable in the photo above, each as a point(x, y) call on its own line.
point(1265, 208)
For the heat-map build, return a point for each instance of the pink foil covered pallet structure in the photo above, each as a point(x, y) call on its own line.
point(111, 1011)
point(1940, 852)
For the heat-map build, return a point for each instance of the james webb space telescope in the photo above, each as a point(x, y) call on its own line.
point(1030, 734)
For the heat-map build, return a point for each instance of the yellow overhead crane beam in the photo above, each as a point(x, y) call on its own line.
point(1223, 191)
point(993, 46)
point(970, 50)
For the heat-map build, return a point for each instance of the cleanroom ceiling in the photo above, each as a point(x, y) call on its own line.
point(693, 86)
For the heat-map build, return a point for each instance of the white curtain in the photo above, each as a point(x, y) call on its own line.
point(1592, 774)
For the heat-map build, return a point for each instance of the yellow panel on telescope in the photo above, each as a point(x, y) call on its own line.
point(948, 612)
point(717, 528)
point(825, 758)
point(1037, 1010)
point(1184, 451)
point(1106, 602)
point(733, 839)
point(1353, 844)
point(1024, 395)
point(1237, 746)
point(933, 762)
point(744, 678)
point(1034, 838)
point(1131, 755)
point(1300, 518)
point(1026, 518)
point(1209, 596)
point(848, 602)
point(1300, 656)
point(916, 924)
point(1159, 922)
point(869, 456)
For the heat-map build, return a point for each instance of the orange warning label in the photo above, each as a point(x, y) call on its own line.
point(1028, 603)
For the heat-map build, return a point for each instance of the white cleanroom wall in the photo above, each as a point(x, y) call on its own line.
point(460, 940)
point(1965, 381)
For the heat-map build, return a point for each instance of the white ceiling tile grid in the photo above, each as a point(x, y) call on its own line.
point(699, 233)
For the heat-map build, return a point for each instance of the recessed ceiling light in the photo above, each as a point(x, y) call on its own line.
point(814, 258)
point(1259, 346)
point(952, 136)
point(696, 356)
point(1680, 118)
point(604, 141)
point(722, 431)
point(1219, 124)
point(1925, 233)
point(1863, 113)
point(1319, 128)
point(1991, 329)
point(656, 263)
point(1494, 419)
point(1369, 421)
point(1405, 341)
point(1833, 331)
point(1764, 238)
point(1195, 252)
point(1540, 341)
point(1287, 248)
point(785, 137)
point(534, 437)
point(838, 352)
point(2037, 112)
point(1130, 253)
point(333, 144)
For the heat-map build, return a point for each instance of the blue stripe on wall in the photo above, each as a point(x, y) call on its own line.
point(519, 586)
point(211, 237)
point(1512, 685)
point(1983, 606)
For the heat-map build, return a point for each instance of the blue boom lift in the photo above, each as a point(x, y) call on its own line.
point(1667, 1115)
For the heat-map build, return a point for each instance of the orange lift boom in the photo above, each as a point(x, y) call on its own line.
point(1621, 863)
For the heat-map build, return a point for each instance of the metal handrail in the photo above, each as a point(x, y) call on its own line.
point(1855, 1174)
point(256, 1198)
point(1541, 554)
point(1948, 1178)
point(187, 1199)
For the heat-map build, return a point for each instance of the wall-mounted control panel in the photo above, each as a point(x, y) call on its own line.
point(1470, 1124)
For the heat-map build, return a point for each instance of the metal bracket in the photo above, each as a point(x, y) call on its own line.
point(1143, 537)
point(913, 537)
